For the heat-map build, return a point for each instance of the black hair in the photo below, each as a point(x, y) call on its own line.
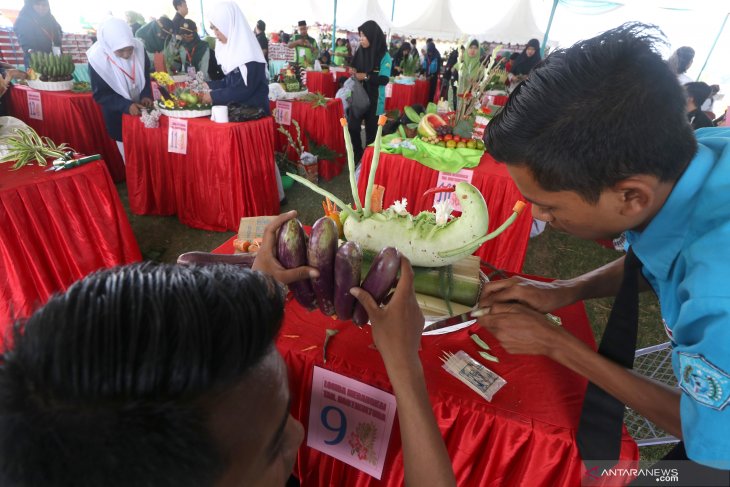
point(473, 43)
point(595, 113)
point(111, 382)
point(177, 3)
point(698, 91)
point(413, 41)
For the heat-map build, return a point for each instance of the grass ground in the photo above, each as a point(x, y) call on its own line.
point(551, 254)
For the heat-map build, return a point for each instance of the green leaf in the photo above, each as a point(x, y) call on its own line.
point(412, 115)
point(432, 108)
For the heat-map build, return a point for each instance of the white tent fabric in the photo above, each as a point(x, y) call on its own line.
point(351, 14)
point(517, 25)
point(435, 21)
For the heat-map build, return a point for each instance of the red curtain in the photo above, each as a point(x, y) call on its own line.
point(55, 228)
point(227, 173)
point(74, 118)
point(320, 82)
point(322, 124)
point(406, 178)
point(407, 95)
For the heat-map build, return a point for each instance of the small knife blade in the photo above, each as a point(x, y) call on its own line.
point(455, 320)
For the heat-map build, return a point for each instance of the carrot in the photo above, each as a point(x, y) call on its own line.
point(376, 201)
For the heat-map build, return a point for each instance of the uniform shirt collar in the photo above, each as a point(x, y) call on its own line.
point(658, 245)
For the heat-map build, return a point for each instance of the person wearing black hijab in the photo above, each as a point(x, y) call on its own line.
point(432, 68)
point(37, 29)
point(528, 59)
point(372, 66)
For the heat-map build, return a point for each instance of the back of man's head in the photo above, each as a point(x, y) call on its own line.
point(596, 113)
point(108, 383)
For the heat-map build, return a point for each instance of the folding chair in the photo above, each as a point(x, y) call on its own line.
point(654, 362)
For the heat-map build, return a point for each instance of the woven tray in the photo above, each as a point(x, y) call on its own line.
point(39, 85)
point(186, 113)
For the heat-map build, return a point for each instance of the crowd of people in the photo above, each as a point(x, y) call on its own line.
point(143, 375)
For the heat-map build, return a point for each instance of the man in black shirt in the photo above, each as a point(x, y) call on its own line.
point(181, 11)
point(697, 93)
point(260, 32)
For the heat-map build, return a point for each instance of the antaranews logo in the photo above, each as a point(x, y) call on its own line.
point(597, 475)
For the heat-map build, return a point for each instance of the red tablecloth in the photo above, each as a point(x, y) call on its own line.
point(227, 173)
point(74, 118)
point(525, 436)
point(500, 100)
point(406, 95)
point(56, 228)
point(319, 82)
point(322, 124)
point(406, 178)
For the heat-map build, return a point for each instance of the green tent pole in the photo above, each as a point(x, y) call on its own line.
point(334, 31)
point(392, 12)
point(547, 31)
point(722, 27)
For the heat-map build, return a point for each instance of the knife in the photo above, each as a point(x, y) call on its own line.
point(455, 320)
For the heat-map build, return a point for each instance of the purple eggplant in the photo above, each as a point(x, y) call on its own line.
point(206, 258)
point(321, 255)
point(381, 277)
point(291, 250)
point(348, 265)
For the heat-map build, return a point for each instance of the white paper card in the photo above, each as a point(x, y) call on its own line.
point(350, 421)
point(450, 179)
point(35, 106)
point(282, 113)
point(177, 136)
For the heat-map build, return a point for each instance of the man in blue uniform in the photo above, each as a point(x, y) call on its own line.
point(598, 140)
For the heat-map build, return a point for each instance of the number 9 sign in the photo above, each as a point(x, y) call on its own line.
point(340, 429)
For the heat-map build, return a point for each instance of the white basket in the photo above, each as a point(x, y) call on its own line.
point(181, 78)
point(37, 84)
point(185, 113)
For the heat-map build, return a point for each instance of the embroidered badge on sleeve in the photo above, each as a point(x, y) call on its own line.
point(703, 381)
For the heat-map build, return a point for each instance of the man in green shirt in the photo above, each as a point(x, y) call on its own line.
point(304, 46)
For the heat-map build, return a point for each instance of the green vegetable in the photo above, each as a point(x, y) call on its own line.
point(489, 357)
point(478, 340)
point(26, 146)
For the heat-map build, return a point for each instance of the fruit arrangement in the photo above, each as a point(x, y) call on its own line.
point(290, 80)
point(48, 67)
point(183, 99)
point(436, 131)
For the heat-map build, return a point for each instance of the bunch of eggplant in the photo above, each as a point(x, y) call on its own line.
point(339, 269)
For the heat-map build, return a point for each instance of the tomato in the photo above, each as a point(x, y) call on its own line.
point(181, 104)
point(448, 137)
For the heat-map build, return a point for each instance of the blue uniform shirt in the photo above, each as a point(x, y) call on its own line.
point(685, 250)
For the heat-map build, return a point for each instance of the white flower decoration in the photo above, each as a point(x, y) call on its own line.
point(399, 206)
point(443, 211)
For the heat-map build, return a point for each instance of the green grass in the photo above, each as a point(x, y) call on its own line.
point(551, 254)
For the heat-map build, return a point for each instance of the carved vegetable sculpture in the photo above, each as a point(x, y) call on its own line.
point(427, 239)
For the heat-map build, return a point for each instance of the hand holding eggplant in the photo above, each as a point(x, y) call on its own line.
point(267, 262)
point(397, 326)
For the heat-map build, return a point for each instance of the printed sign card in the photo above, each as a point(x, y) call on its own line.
point(253, 227)
point(450, 179)
point(177, 136)
point(282, 113)
point(389, 90)
point(35, 106)
point(350, 421)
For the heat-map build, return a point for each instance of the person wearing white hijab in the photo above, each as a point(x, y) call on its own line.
point(241, 59)
point(120, 75)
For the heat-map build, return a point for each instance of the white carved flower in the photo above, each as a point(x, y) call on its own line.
point(399, 206)
point(443, 211)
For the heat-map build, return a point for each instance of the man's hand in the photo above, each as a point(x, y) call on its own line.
point(522, 330)
point(15, 74)
point(361, 76)
point(146, 102)
point(266, 257)
point(398, 326)
point(135, 109)
point(206, 99)
point(541, 296)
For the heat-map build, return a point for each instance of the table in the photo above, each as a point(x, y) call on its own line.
point(55, 228)
point(74, 118)
point(320, 82)
point(525, 436)
point(406, 178)
point(227, 173)
point(407, 95)
point(322, 124)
